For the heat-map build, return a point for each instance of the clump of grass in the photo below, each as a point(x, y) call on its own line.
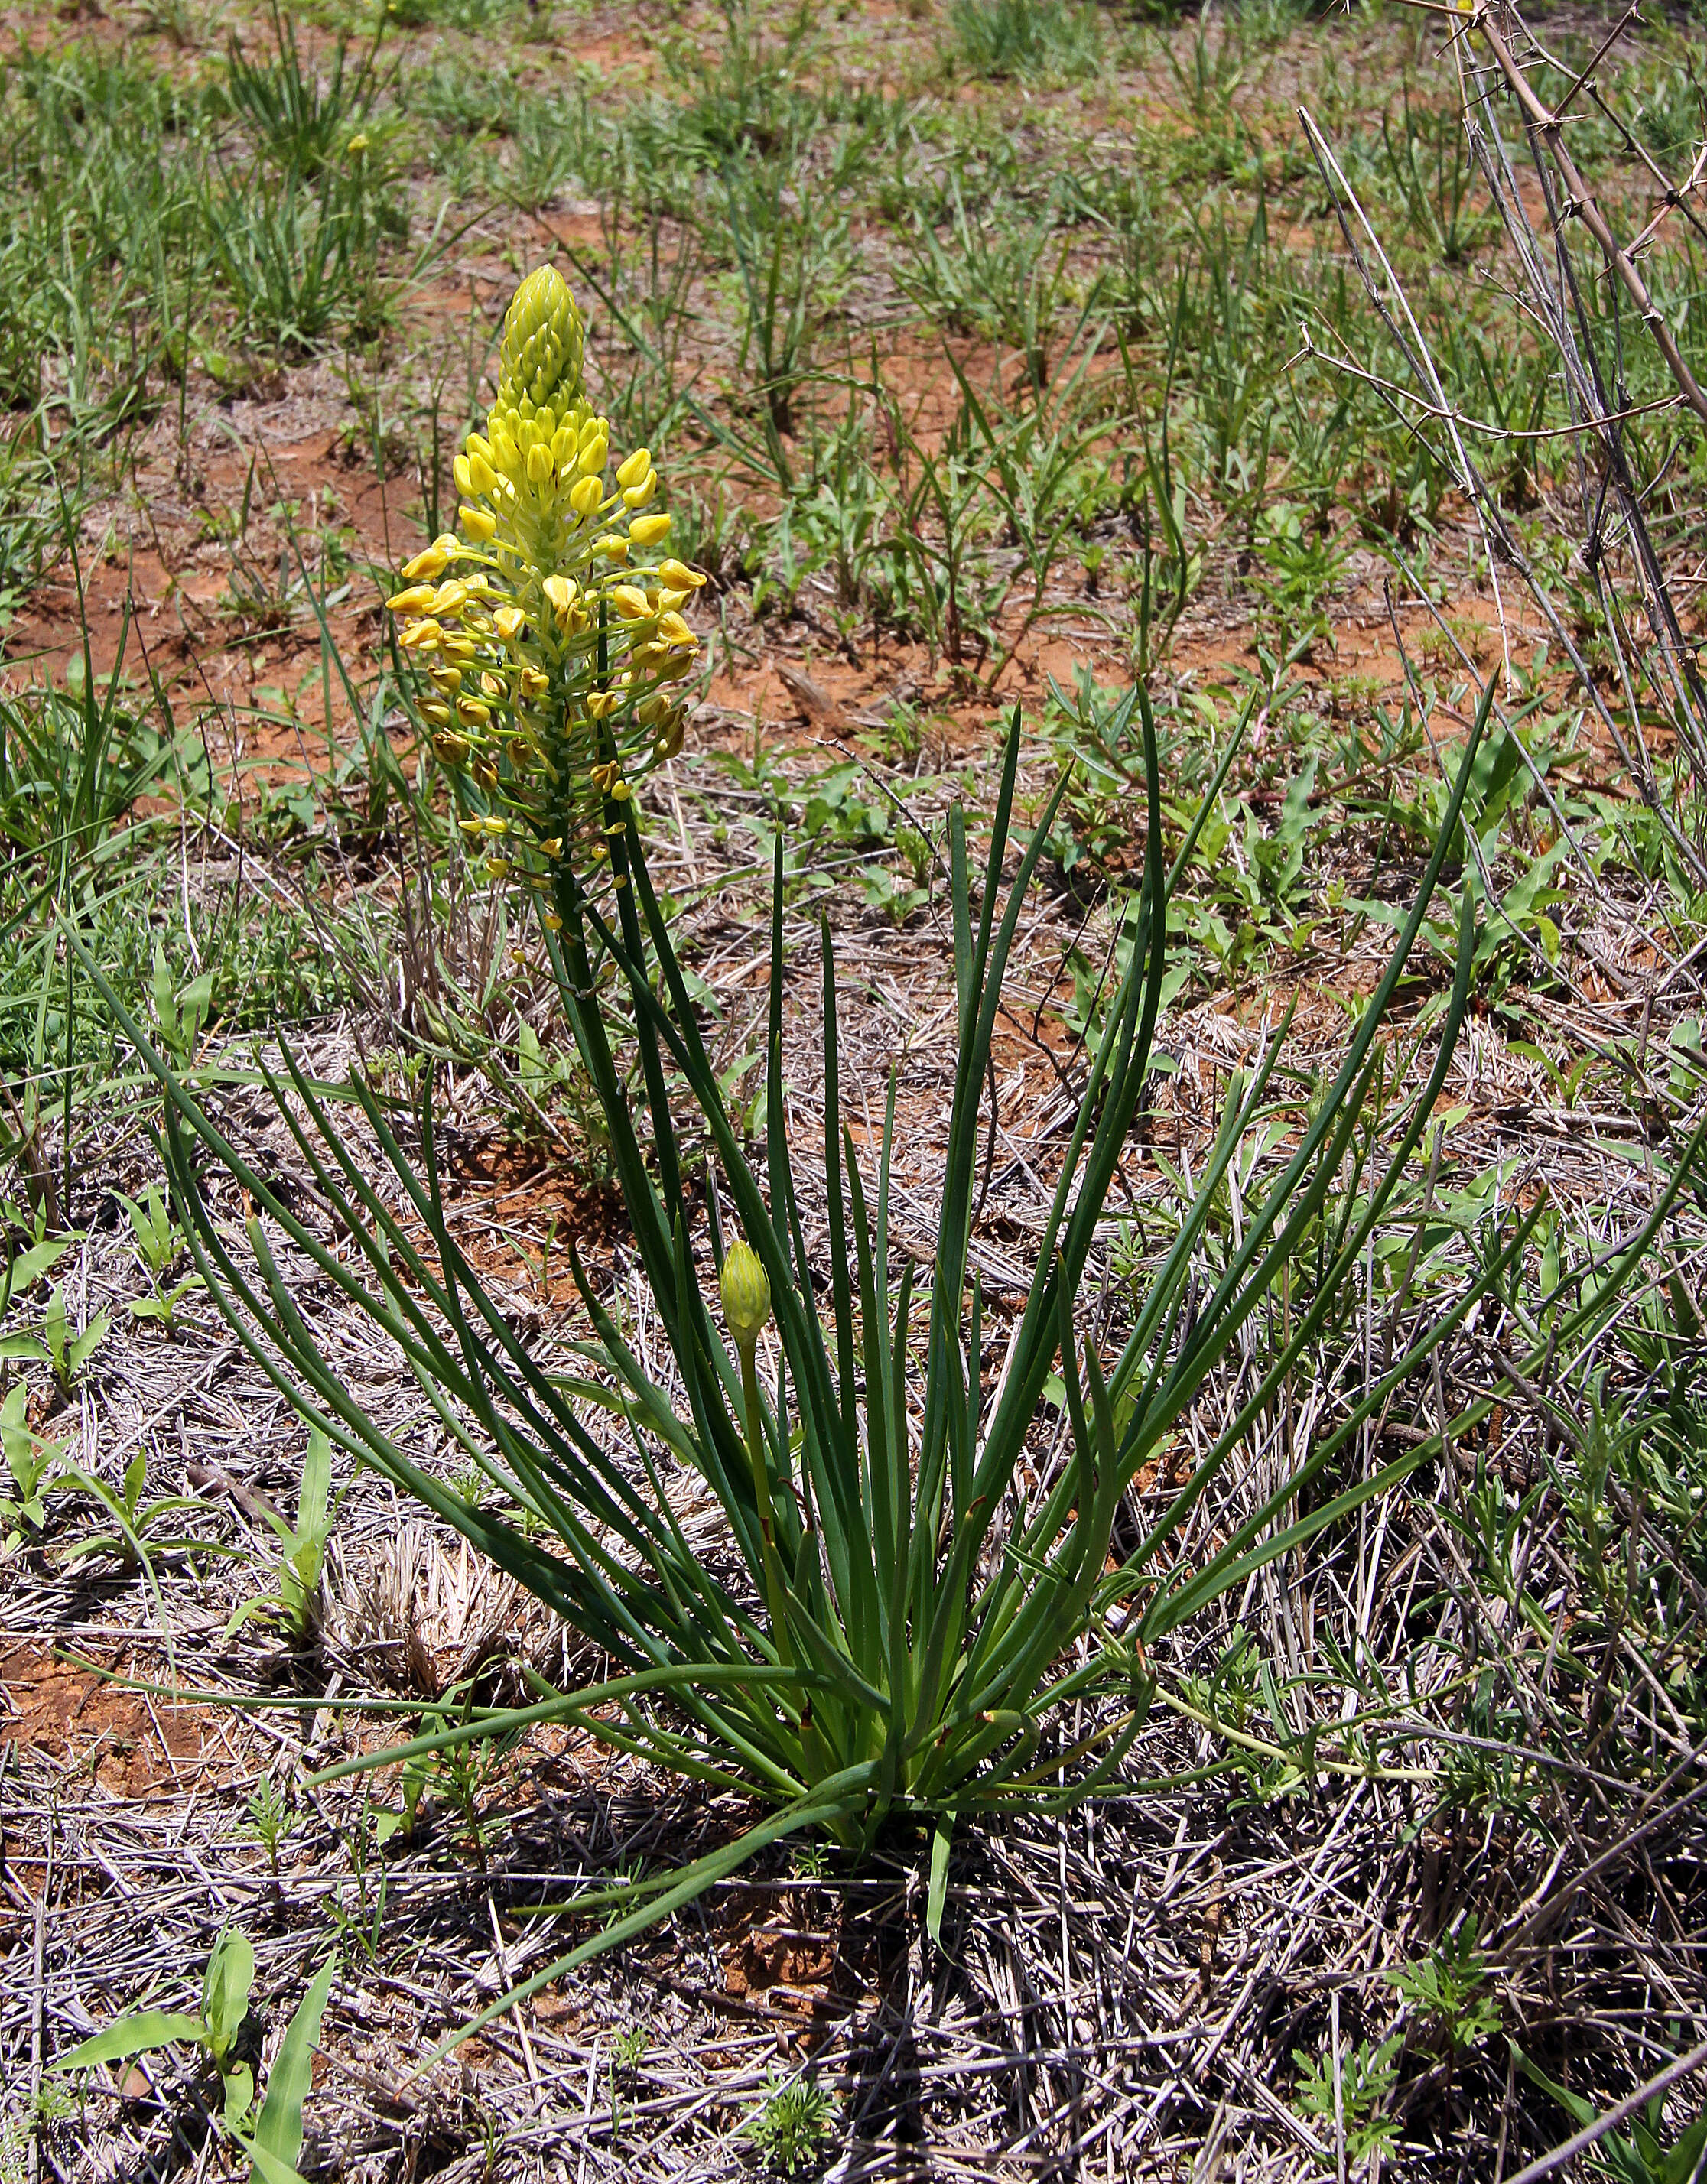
point(1027, 37)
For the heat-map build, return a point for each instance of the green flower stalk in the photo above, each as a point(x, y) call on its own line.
point(553, 624)
point(745, 1289)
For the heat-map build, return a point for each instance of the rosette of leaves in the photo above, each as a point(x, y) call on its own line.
point(890, 1629)
point(551, 631)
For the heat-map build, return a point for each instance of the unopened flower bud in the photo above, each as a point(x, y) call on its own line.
point(635, 468)
point(649, 530)
point(746, 1291)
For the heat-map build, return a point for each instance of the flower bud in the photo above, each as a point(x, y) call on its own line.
point(677, 575)
point(635, 468)
point(560, 592)
point(540, 360)
point(613, 546)
point(464, 474)
point(592, 460)
point(540, 465)
point(478, 523)
point(585, 495)
point(649, 530)
point(631, 602)
point(412, 600)
point(636, 496)
point(746, 1291)
point(509, 622)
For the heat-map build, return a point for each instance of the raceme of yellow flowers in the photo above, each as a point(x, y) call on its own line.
point(552, 628)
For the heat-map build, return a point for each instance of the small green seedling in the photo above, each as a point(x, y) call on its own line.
point(66, 1348)
point(269, 1817)
point(1640, 2158)
point(159, 1241)
point(273, 2140)
point(136, 1518)
point(30, 1462)
point(1367, 2077)
point(1448, 1988)
point(294, 1601)
point(180, 1013)
point(796, 2117)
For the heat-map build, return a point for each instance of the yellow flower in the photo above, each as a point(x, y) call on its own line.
point(559, 638)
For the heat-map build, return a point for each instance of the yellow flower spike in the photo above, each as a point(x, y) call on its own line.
point(636, 496)
point(631, 602)
point(411, 600)
point(613, 546)
point(635, 468)
point(649, 530)
point(509, 622)
point(585, 496)
point(677, 575)
point(591, 460)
